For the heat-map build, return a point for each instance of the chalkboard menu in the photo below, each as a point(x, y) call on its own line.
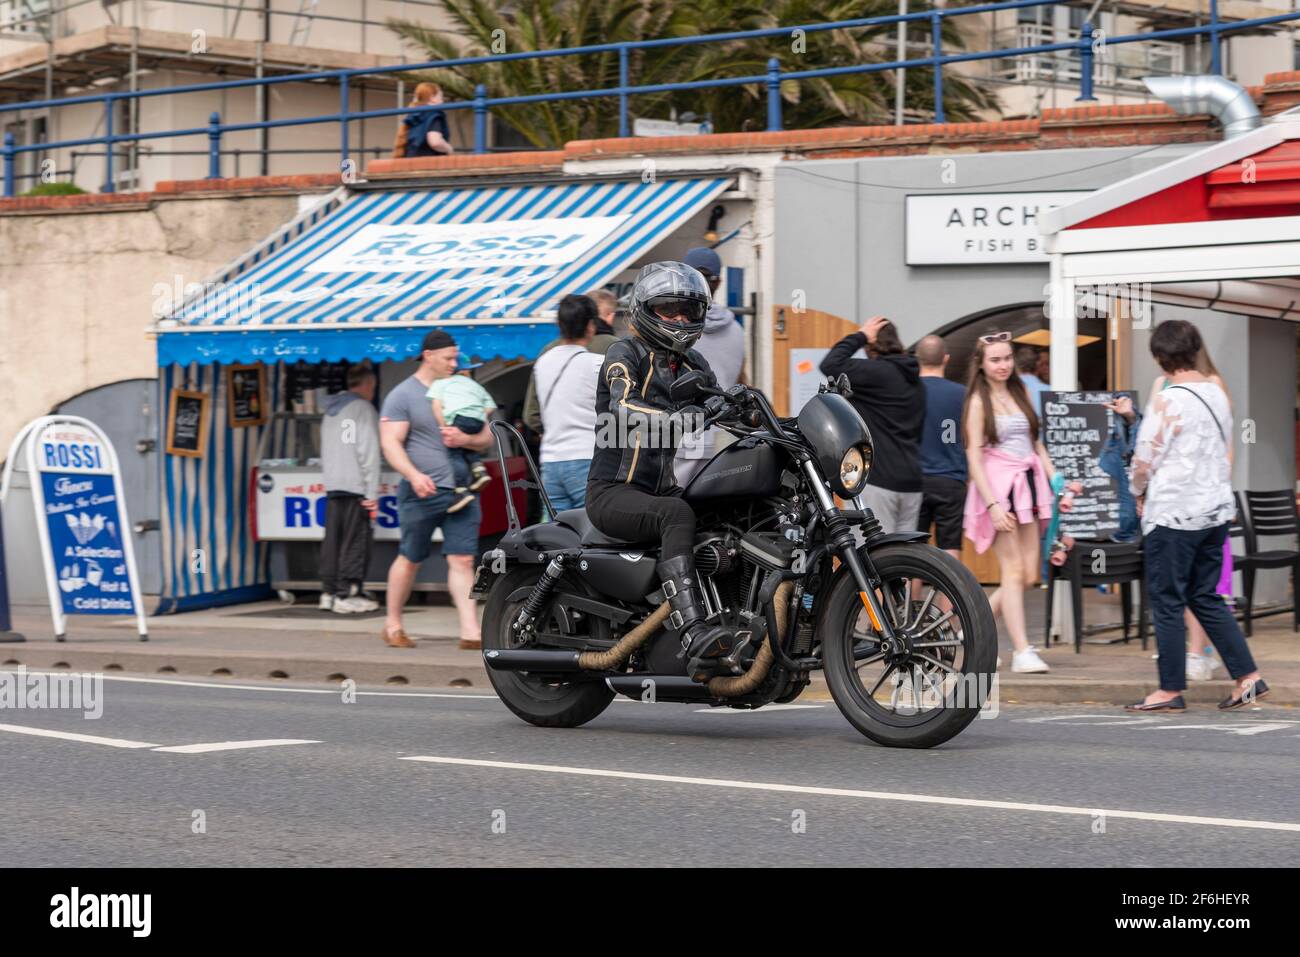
point(246, 395)
point(302, 376)
point(187, 423)
point(1075, 426)
point(334, 376)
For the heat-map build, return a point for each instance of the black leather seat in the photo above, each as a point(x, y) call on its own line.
point(576, 519)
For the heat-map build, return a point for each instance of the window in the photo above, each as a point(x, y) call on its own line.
point(23, 16)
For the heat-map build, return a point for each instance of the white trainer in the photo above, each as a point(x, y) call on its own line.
point(353, 606)
point(326, 601)
point(1027, 662)
point(1200, 667)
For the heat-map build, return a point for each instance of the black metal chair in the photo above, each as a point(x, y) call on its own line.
point(1267, 514)
point(1101, 563)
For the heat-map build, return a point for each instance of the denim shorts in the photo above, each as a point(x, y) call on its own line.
point(418, 517)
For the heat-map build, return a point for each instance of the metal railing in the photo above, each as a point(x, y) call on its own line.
point(1089, 46)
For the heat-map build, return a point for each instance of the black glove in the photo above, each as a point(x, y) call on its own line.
point(686, 421)
point(714, 404)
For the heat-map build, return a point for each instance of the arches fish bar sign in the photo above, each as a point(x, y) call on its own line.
point(973, 228)
point(82, 522)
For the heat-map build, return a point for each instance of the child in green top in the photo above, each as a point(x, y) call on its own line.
point(460, 402)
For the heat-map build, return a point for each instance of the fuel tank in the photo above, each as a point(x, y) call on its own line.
point(745, 469)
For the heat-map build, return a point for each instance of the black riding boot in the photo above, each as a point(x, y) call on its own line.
point(700, 640)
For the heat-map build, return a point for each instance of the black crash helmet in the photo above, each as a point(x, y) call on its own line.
point(672, 289)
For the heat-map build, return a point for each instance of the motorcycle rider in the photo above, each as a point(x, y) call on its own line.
point(632, 493)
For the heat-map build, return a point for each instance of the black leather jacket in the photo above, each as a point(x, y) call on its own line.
point(637, 433)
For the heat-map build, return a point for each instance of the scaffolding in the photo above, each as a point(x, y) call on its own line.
point(118, 43)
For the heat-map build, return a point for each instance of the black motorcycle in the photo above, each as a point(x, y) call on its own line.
point(901, 629)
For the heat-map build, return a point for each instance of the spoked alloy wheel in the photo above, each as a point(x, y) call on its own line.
point(547, 700)
point(925, 685)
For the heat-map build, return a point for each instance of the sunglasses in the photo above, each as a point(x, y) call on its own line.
point(995, 337)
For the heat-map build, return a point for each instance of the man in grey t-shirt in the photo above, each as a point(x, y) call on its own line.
point(416, 446)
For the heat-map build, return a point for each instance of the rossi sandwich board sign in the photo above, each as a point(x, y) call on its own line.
point(81, 521)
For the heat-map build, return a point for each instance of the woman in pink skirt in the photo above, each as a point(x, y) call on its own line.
point(1009, 501)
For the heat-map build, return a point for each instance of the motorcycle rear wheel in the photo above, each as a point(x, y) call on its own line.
point(953, 669)
point(543, 701)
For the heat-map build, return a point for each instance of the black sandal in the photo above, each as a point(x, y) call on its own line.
point(1254, 691)
point(1173, 704)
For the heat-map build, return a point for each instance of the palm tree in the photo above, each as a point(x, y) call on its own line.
point(484, 27)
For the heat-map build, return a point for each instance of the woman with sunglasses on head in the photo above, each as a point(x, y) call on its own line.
point(1009, 499)
point(632, 493)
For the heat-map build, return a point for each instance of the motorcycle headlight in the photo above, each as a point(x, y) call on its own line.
point(853, 471)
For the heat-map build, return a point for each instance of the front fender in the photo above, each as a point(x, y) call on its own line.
point(875, 541)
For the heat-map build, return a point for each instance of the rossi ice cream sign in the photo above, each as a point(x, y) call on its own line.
point(83, 520)
point(430, 247)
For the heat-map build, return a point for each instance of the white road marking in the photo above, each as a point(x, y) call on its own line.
point(1243, 727)
point(218, 684)
point(765, 709)
point(73, 736)
point(234, 745)
point(871, 795)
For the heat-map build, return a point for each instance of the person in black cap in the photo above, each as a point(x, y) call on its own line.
point(723, 346)
point(416, 446)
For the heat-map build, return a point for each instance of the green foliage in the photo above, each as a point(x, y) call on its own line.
point(484, 27)
point(54, 189)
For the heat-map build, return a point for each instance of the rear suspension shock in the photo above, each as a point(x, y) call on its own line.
point(551, 576)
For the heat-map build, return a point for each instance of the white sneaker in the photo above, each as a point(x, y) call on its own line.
point(1200, 667)
point(353, 606)
point(326, 601)
point(1027, 662)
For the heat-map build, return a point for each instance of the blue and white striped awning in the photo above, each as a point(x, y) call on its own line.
point(486, 263)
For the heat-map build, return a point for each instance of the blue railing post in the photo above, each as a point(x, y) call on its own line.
point(773, 95)
point(214, 145)
point(936, 41)
point(343, 124)
point(108, 145)
point(1215, 66)
point(480, 119)
point(9, 163)
point(1085, 63)
point(622, 91)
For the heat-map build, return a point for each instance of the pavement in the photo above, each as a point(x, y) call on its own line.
point(179, 773)
point(269, 640)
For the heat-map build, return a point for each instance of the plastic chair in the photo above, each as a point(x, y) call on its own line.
point(1116, 563)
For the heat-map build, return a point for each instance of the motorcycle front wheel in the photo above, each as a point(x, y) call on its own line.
point(925, 692)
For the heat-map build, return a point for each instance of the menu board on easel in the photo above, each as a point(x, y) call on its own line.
point(187, 423)
point(1075, 427)
point(246, 395)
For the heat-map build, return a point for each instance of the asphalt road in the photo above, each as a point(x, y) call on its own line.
point(641, 785)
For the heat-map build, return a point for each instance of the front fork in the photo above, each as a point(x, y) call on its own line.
point(839, 535)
